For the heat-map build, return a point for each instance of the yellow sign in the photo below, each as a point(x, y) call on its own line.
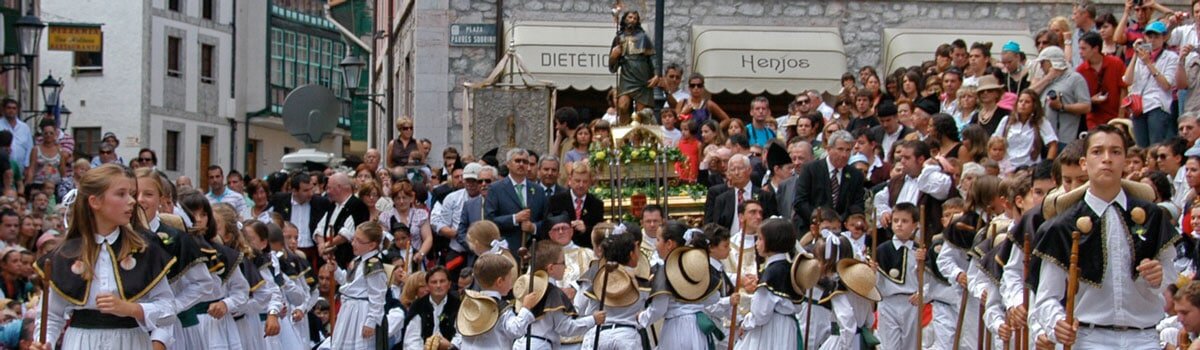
point(76, 38)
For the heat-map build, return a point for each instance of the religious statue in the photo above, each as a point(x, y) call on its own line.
point(632, 59)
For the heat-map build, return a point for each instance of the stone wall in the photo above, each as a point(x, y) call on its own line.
point(861, 23)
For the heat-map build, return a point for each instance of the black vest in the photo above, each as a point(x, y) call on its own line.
point(1147, 239)
point(182, 246)
point(343, 253)
point(424, 307)
point(150, 265)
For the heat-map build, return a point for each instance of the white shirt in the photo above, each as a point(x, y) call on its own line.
point(1020, 139)
point(347, 229)
point(888, 140)
point(448, 213)
point(1153, 95)
point(356, 284)
point(747, 193)
point(1183, 35)
point(1181, 189)
point(766, 304)
point(300, 215)
point(931, 181)
point(1120, 300)
point(672, 136)
point(232, 198)
point(826, 111)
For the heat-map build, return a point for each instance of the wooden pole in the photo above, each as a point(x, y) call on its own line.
point(607, 269)
point(1083, 224)
point(1026, 249)
point(984, 341)
point(807, 320)
point(529, 289)
point(45, 303)
point(920, 276)
point(737, 284)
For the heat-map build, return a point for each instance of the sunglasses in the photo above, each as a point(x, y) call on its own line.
point(522, 161)
point(405, 128)
point(103, 152)
point(695, 86)
point(803, 102)
point(1160, 156)
point(1043, 42)
point(148, 160)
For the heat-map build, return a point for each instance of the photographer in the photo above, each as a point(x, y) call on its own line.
point(1066, 98)
point(1150, 78)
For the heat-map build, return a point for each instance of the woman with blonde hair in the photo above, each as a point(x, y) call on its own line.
point(403, 145)
point(968, 106)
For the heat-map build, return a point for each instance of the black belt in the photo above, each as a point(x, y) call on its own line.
point(615, 326)
point(540, 338)
point(238, 318)
point(1113, 328)
point(353, 298)
point(93, 319)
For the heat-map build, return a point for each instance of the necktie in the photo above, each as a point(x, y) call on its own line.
point(579, 208)
point(549, 191)
point(739, 200)
point(833, 180)
point(521, 194)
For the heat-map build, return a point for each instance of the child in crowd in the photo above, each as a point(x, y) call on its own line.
point(554, 313)
point(771, 323)
point(495, 280)
point(951, 208)
point(998, 151)
point(362, 288)
point(899, 311)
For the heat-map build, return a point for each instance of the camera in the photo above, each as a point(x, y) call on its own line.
point(1052, 94)
point(1145, 46)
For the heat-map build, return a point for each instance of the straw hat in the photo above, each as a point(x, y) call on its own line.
point(619, 287)
point(1057, 202)
point(806, 270)
point(859, 277)
point(477, 314)
point(989, 82)
point(687, 273)
point(540, 283)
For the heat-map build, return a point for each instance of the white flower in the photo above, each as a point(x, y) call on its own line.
point(77, 267)
point(128, 263)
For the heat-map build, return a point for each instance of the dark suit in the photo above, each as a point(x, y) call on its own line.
point(711, 178)
point(439, 193)
point(880, 133)
point(785, 196)
point(814, 190)
point(503, 203)
point(552, 191)
point(355, 210)
point(593, 213)
point(726, 204)
point(282, 203)
point(713, 192)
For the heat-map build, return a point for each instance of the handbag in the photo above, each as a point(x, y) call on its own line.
point(1134, 103)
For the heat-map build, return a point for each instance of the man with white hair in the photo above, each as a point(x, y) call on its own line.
point(336, 229)
point(1189, 128)
point(815, 100)
point(372, 159)
point(516, 204)
point(830, 183)
point(738, 190)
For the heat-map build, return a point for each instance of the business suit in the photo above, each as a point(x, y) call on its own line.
point(503, 203)
point(282, 203)
point(880, 134)
point(726, 204)
point(710, 178)
point(593, 213)
point(553, 190)
point(785, 195)
point(713, 192)
point(814, 190)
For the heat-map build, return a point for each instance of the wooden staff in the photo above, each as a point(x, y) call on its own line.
point(1026, 250)
point(920, 276)
point(737, 284)
point(529, 289)
point(607, 268)
point(46, 303)
point(807, 319)
point(984, 341)
point(1083, 224)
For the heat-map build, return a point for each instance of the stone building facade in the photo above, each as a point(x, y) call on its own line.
point(863, 26)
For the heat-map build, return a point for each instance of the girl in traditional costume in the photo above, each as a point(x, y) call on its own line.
point(218, 327)
point(771, 323)
point(362, 288)
point(106, 279)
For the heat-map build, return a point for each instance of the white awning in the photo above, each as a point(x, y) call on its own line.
point(905, 47)
point(570, 54)
point(775, 60)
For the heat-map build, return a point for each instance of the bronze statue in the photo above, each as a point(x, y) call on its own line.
point(632, 58)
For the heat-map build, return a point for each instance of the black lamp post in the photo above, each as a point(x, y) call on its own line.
point(29, 35)
point(51, 94)
point(352, 67)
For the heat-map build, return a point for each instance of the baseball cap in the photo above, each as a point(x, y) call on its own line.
point(471, 171)
point(1011, 46)
point(857, 157)
point(1156, 27)
point(112, 135)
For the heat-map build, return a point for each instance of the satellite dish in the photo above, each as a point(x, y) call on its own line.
point(310, 112)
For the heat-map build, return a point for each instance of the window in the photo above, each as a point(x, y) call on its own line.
point(207, 63)
point(89, 62)
point(174, 5)
point(171, 148)
point(87, 142)
point(207, 9)
point(174, 57)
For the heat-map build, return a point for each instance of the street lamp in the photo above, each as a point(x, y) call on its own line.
point(66, 116)
point(352, 67)
point(51, 90)
point(29, 35)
